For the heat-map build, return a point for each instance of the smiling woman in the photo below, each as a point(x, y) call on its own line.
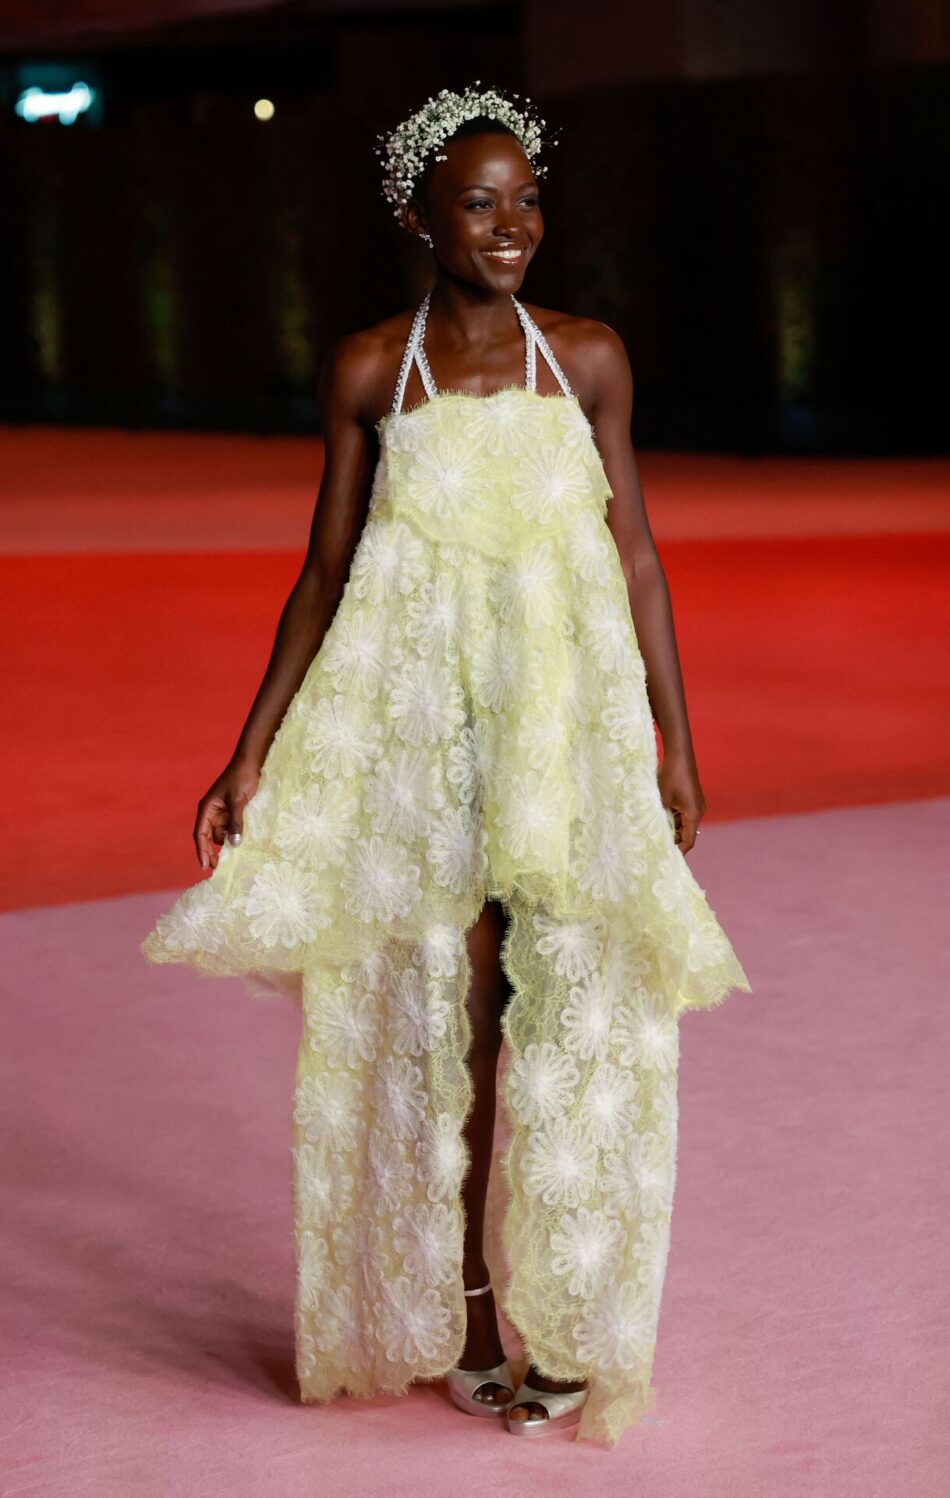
point(486, 203)
point(458, 834)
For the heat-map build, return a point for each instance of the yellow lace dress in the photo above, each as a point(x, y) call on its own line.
point(474, 726)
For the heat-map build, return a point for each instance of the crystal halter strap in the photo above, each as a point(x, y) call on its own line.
point(415, 350)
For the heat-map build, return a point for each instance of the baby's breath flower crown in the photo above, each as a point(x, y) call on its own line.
point(406, 150)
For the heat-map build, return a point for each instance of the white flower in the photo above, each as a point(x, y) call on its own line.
point(665, 1103)
point(440, 951)
point(528, 591)
point(608, 1108)
point(199, 921)
point(354, 652)
point(457, 850)
point(425, 702)
point(379, 883)
point(313, 1269)
point(608, 634)
point(342, 736)
point(405, 151)
point(343, 1026)
point(442, 1157)
point(548, 482)
point(576, 946)
point(577, 689)
point(429, 1238)
point(638, 1179)
point(668, 887)
point(646, 1033)
point(628, 717)
point(320, 1195)
point(618, 1330)
point(497, 673)
point(586, 1018)
point(433, 621)
point(651, 1251)
point(529, 814)
point(371, 975)
point(559, 1164)
point(403, 792)
point(471, 758)
point(503, 424)
point(340, 1328)
point(414, 1324)
point(543, 733)
point(419, 1014)
point(596, 775)
point(587, 545)
point(359, 1250)
point(318, 823)
point(327, 1110)
point(542, 1083)
point(609, 857)
point(259, 810)
point(401, 1097)
point(390, 1172)
point(585, 1247)
point(286, 905)
point(708, 945)
point(574, 428)
point(626, 963)
point(444, 479)
point(389, 560)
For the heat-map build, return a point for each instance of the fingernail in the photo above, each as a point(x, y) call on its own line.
point(234, 838)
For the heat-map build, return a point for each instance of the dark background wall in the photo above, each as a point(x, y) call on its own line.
point(768, 239)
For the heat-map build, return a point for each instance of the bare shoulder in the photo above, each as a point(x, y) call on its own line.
point(592, 354)
point(361, 367)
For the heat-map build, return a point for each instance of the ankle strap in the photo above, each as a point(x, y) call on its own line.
point(482, 1291)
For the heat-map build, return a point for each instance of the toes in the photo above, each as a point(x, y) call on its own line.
point(493, 1394)
point(531, 1411)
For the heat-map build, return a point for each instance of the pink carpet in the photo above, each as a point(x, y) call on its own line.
point(147, 1270)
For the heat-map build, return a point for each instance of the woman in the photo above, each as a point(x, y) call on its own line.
point(445, 825)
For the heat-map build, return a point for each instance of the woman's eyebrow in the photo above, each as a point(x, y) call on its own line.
point(484, 187)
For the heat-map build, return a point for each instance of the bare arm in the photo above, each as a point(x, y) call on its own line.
point(338, 520)
point(611, 404)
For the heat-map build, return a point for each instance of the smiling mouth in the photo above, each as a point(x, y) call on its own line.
point(505, 257)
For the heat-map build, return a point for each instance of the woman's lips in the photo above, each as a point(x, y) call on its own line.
point(504, 257)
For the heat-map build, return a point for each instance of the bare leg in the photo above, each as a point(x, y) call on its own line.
point(488, 995)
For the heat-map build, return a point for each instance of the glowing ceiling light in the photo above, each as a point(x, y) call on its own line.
point(264, 109)
point(37, 104)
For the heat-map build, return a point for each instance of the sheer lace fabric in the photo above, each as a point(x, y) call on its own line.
point(475, 726)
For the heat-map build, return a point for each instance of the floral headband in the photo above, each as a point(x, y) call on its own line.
point(407, 148)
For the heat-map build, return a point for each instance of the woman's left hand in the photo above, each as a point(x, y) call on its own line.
point(681, 793)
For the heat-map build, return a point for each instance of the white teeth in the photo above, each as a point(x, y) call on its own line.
point(503, 254)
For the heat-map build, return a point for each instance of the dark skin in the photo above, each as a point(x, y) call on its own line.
point(483, 197)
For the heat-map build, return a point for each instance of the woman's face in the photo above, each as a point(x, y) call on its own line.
point(481, 208)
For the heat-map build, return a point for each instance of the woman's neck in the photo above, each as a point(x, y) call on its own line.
point(473, 316)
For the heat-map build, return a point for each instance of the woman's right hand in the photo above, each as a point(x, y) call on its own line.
point(221, 809)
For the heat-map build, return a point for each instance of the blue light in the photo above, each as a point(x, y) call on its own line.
point(39, 104)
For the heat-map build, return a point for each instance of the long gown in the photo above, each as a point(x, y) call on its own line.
point(474, 726)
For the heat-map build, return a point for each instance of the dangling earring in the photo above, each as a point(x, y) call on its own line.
point(427, 239)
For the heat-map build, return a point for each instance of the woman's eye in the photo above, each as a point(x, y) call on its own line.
point(478, 203)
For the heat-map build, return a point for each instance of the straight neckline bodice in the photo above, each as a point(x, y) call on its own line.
point(414, 352)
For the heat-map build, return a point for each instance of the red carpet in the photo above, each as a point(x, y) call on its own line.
point(813, 658)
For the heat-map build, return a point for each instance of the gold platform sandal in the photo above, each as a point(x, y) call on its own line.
point(464, 1383)
point(562, 1410)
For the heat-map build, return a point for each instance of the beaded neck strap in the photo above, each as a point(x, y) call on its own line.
point(534, 339)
